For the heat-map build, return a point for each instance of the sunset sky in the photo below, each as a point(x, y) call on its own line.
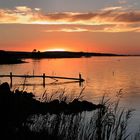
point(73, 25)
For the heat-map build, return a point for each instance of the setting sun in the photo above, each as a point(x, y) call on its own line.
point(56, 49)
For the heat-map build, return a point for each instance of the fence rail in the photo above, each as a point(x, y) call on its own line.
point(43, 76)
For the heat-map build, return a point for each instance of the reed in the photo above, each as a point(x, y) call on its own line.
point(108, 123)
point(23, 117)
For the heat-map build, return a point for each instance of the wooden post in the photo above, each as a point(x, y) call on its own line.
point(11, 80)
point(43, 79)
point(80, 77)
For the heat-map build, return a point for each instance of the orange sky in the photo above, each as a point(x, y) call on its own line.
point(28, 37)
point(113, 28)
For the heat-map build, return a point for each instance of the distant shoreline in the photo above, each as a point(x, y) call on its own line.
point(13, 62)
point(15, 57)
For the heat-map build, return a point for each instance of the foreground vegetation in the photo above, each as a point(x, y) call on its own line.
point(23, 117)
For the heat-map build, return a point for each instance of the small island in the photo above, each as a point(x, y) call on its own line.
point(9, 58)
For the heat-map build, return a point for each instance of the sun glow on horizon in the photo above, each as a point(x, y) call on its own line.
point(56, 49)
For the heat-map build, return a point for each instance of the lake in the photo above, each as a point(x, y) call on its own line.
point(103, 75)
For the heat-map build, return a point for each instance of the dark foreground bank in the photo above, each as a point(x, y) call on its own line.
point(17, 106)
point(22, 117)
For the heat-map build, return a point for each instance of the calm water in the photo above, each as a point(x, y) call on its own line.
point(102, 74)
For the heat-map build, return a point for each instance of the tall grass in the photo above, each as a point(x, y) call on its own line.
point(108, 123)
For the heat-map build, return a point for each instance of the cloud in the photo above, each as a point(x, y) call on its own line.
point(68, 30)
point(111, 18)
point(128, 17)
point(20, 14)
point(7, 16)
point(113, 8)
point(23, 9)
point(37, 9)
point(91, 28)
point(101, 17)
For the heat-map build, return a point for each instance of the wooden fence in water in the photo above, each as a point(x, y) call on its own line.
point(43, 76)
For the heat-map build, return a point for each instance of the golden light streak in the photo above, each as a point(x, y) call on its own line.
point(56, 49)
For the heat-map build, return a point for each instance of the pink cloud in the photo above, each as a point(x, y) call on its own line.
point(118, 17)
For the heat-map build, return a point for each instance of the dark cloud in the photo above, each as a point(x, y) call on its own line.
point(83, 16)
point(58, 16)
point(109, 16)
point(128, 17)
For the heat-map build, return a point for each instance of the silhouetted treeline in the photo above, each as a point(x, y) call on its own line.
point(53, 54)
